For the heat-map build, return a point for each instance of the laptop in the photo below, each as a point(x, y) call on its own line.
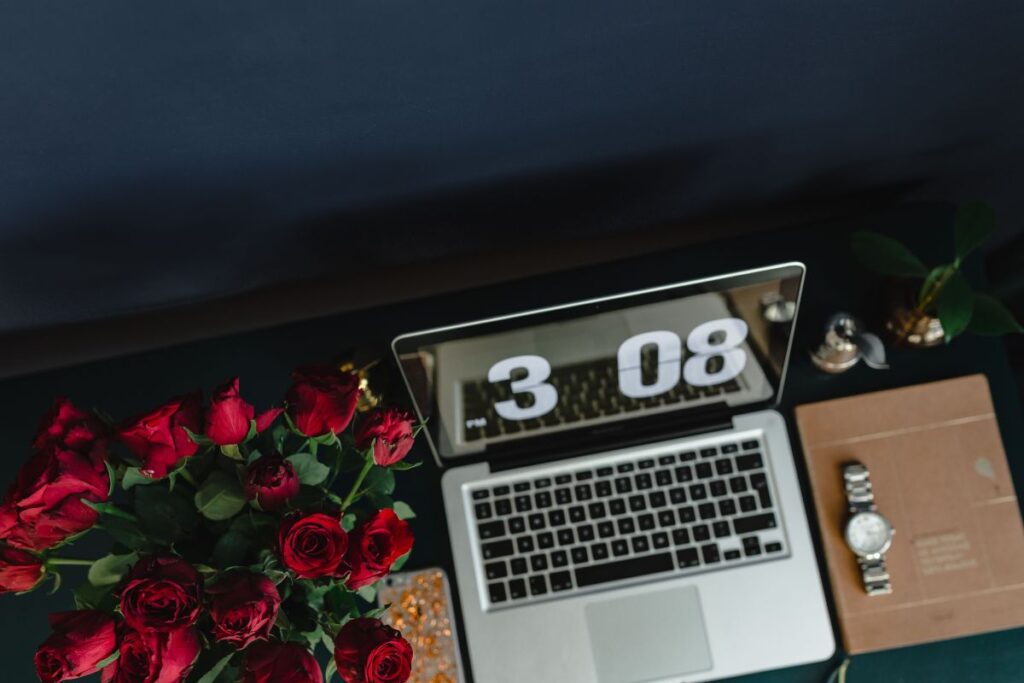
point(621, 496)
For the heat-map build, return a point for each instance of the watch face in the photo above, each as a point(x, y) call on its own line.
point(868, 533)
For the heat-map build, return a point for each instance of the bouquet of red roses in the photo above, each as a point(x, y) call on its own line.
point(233, 558)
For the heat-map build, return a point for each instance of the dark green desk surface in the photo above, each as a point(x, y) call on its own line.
point(264, 359)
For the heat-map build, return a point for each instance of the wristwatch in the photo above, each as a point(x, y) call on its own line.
point(868, 533)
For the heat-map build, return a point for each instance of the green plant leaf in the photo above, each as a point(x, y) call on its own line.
point(231, 550)
point(198, 438)
point(309, 470)
point(220, 496)
point(108, 508)
point(955, 304)
point(332, 668)
point(88, 596)
point(232, 451)
point(368, 593)
point(214, 671)
point(253, 456)
point(400, 562)
point(973, 224)
point(936, 274)
point(404, 466)
point(379, 482)
point(133, 477)
point(108, 660)
point(886, 255)
point(991, 317)
point(108, 570)
point(403, 510)
point(165, 515)
point(348, 521)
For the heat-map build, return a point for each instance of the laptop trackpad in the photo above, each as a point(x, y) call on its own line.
point(648, 637)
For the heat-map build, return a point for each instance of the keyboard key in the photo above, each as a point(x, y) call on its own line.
point(624, 467)
point(626, 526)
point(623, 485)
point(496, 549)
point(677, 495)
point(680, 536)
point(645, 522)
point(542, 483)
point(584, 492)
point(749, 461)
point(698, 492)
point(561, 581)
point(584, 475)
point(516, 525)
point(603, 488)
point(687, 557)
point(563, 496)
point(620, 547)
point(659, 540)
point(727, 507)
point(494, 529)
point(730, 448)
point(748, 504)
point(723, 467)
point(637, 503)
point(687, 514)
point(599, 551)
point(710, 553)
point(774, 547)
point(663, 478)
point(708, 452)
point(684, 474)
point(585, 533)
point(640, 544)
point(666, 459)
point(666, 518)
point(523, 504)
point(545, 540)
point(759, 482)
point(738, 484)
point(751, 546)
point(556, 518)
point(701, 533)
point(501, 490)
point(537, 521)
point(480, 495)
point(518, 565)
point(604, 471)
point(539, 562)
point(497, 592)
point(605, 530)
point(750, 445)
point(707, 511)
point(517, 589)
point(521, 486)
point(559, 558)
point(596, 510)
point(703, 470)
point(524, 544)
point(496, 570)
point(643, 481)
point(732, 554)
point(688, 455)
point(483, 511)
point(503, 507)
point(563, 479)
point(543, 499)
point(617, 507)
point(646, 464)
point(579, 555)
point(657, 499)
point(721, 529)
point(565, 537)
point(624, 569)
point(752, 523)
point(577, 514)
point(538, 585)
point(717, 488)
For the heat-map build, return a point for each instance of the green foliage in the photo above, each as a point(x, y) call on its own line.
point(165, 515)
point(309, 470)
point(134, 477)
point(213, 672)
point(220, 496)
point(108, 570)
point(954, 304)
point(403, 510)
point(886, 255)
point(991, 317)
point(974, 223)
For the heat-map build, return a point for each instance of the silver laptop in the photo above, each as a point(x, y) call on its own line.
point(621, 496)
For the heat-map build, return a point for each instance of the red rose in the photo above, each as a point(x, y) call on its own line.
point(322, 399)
point(79, 642)
point(374, 547)
point(368, 651)
point(271, 481)
point(243, 608)
point(229, 417)
point(390, 433)
point(44, 505)
point(313, 545)
point(161, 593)
point(19, 570)
point(151, 657)
point(72, 429)
point(280, 663)
point(159, 438)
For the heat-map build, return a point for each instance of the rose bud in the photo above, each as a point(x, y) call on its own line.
point(243, 608)
point(368, 651)
point(151, 657)
point(374, 546)
point(80, 641)
point(312, 545)
point(280, 663)
point(161, 593)
point(322, 399)
point(19, 571)
point(44, 505)
point(159, 439)
point(229, 417)
point(72, 429)
point(271, 481)
point(389, 431)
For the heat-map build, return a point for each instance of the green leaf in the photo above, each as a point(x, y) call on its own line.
point(936, 274)
point(165, 515)
point(111, 509)
point(400, 562)
point(108, 570)
point(220, 496)
point(955, 304)
point(328, 643)
point(254, 455)
point(404, 466)
point(332, 667)
point(112, 477)
point(198, 438)
point(403, 510)
point(88, 596)
point(108, 660)
point(125, 532)
point(133, 477)
point(368, 593)
point(232, 451)
point(231, 550)
point(886, 255)
point(348, 521)
point(973, 224)
point(211, 675)
point(309, 470)
point(991, 317)
point(379, 482)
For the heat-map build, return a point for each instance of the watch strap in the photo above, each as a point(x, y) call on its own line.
point(860, 497)
point(875, 575)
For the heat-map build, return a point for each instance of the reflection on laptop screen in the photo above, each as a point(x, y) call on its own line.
point(496, 385)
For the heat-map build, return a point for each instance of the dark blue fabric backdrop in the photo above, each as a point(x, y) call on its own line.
point(157, 154)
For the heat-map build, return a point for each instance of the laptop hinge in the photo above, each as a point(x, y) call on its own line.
point(601, 440)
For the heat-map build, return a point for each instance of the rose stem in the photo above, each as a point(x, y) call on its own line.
point(68, 561)
point(359, 480)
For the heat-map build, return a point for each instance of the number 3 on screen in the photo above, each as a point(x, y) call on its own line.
point(720, 338)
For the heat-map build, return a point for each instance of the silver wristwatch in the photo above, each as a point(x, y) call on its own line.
point(868, 533)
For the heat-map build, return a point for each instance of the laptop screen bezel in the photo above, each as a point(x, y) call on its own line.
point(585, 434)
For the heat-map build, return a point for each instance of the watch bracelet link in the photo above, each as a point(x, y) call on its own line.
point(860, 497)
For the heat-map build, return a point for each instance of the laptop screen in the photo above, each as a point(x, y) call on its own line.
point(503, 387)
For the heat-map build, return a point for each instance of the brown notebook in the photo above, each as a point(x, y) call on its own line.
point(939, 474)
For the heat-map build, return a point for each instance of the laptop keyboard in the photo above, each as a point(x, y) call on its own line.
point(581, 529)
point(586, 391)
